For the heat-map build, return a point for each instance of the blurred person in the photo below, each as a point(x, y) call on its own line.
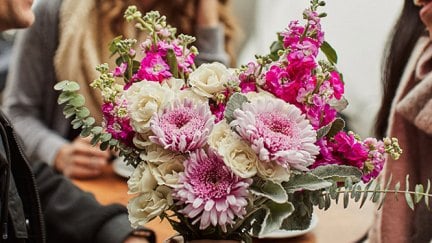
point(406, 113)
point(38, 205)
point(69, 40)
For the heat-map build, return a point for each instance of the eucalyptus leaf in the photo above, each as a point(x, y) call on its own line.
point(67, 85)
point(64, 97)
point(77, 101)
point(337, 172)
point(82, 112)
point(236, 101)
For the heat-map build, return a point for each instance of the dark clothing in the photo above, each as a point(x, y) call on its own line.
point(39, 205)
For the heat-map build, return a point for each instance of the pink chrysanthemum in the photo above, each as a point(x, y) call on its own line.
point(278, 132)
point(182, 127)
point(211, 193)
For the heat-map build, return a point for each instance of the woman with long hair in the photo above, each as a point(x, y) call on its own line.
point(67, 41)
point(406, 113)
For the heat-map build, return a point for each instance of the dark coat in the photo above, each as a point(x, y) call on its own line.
point(39, 205)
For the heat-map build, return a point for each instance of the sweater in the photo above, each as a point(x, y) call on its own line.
point(411, 122)
point(29, 99)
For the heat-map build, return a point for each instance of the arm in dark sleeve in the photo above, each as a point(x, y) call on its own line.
point(72, 215)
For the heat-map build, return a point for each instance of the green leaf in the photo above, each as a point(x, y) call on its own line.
point(89, 121)
point(64, 97)
point(95, 138)
point(96, 130)
point(276, 214)
point(104, 146)
point(418, 193)
point(387, 187)
point(331, 129)
point(172, 63)
point(85, 132)
point(329, 52)
point(338, 173)
point(67, 85)
point(427, 191)
point(236, 101)
point(305, 181)
point(300, 219)
point(82, 112)
point(408, 197)
point(270, 190)
point(105, 137)
point(275, 47)
point(337, 125)
point(77, 101)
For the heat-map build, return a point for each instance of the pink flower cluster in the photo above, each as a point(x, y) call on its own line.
point(293, 78)
point(346, 149)
point(117, 124)
point(154, 66)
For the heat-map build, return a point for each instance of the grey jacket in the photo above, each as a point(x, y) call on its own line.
point(30, 100)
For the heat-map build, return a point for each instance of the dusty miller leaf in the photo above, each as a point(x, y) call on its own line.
point(236, 101)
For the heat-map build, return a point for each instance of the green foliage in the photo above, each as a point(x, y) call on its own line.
point(268, 189)
point(331, 129)
point(338, 173)
point(305, 181)
point(236, 101)
point(275, 216)
point(329, 52)
point(74, 107)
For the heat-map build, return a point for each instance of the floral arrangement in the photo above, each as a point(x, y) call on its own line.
point(230, 153)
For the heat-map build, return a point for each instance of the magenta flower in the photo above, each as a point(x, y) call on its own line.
point(117, 122)
point(120, 70)
point(211, 193)
point(182, 127)
point(218, 110)
point(277, 132)
point(376, 158)
point(153, 68)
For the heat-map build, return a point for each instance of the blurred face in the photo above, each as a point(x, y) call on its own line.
point(15, 14)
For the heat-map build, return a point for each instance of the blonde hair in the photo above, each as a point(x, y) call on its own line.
point(181, 14)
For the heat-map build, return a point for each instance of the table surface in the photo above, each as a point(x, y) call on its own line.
point(111, 188)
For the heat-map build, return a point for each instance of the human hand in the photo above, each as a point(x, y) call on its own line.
point(207, 13)
point(80, 159)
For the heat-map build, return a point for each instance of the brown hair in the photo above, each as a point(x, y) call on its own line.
point(403, 38)
point(181, 14)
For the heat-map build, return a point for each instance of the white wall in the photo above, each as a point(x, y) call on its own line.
point(357, 29)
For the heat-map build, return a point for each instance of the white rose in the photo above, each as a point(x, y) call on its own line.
point(238, 155)
point(149, 205)
point(209, 79)
point(141, 180)
point(167, 173)
point(156, 154)
point(272, 171)
point(220, 131)
point(141, 140)
point(145, 99)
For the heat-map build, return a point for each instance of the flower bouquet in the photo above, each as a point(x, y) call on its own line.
point(230, 153)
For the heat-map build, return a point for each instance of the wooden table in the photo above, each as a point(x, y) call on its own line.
point(111, 188)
